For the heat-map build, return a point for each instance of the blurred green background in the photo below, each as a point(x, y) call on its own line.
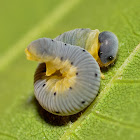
point(24, 21)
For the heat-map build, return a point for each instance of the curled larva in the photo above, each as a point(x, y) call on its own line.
point(102, 46)
point(67, 79)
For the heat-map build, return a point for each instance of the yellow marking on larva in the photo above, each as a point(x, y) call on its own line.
point(59, 74)
point(62, 73)
point(106, 64)
point(92, 45)
point(32, 57)
point(29, 55)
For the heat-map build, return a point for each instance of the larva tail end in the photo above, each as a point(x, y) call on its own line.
point(28, 54)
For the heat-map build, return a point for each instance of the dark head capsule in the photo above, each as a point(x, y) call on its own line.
point(108, 46)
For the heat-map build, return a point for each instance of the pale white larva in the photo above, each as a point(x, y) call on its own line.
point(102, 46)
point(67, 79)
point(77, 37)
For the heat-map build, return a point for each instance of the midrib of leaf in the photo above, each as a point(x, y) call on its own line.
point(45, 25)
point(114, 79)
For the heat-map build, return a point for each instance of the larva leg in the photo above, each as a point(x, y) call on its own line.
point(102, 76)
point(68, 78)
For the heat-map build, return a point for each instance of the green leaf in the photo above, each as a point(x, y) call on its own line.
point(115, 114)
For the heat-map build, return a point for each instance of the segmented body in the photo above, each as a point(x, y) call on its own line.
point(74, 83)
point(77, 37)
point(84, 38)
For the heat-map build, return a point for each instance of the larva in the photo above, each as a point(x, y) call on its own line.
point(67, 79)
point(102, 46)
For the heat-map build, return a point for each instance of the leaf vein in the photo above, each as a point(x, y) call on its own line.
point(131, 126)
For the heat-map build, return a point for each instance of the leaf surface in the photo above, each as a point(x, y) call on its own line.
point(115, 114)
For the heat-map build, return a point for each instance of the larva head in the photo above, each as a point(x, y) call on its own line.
point(108, 48)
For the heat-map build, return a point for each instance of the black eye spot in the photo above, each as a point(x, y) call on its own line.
point(65, 44)
point(54, 93)
point(110, 58)
point(83, 102)
point(52, 39)
point(70, 87)
point(83, 50)
point(77, 73)
point(96, 74)
point(44, 85)
point(71, 63)
point(99, 53)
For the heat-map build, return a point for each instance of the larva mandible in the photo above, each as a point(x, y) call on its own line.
point(102, 46)
point(67, 79)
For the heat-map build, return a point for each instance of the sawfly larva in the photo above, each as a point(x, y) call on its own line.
point(67, 79)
